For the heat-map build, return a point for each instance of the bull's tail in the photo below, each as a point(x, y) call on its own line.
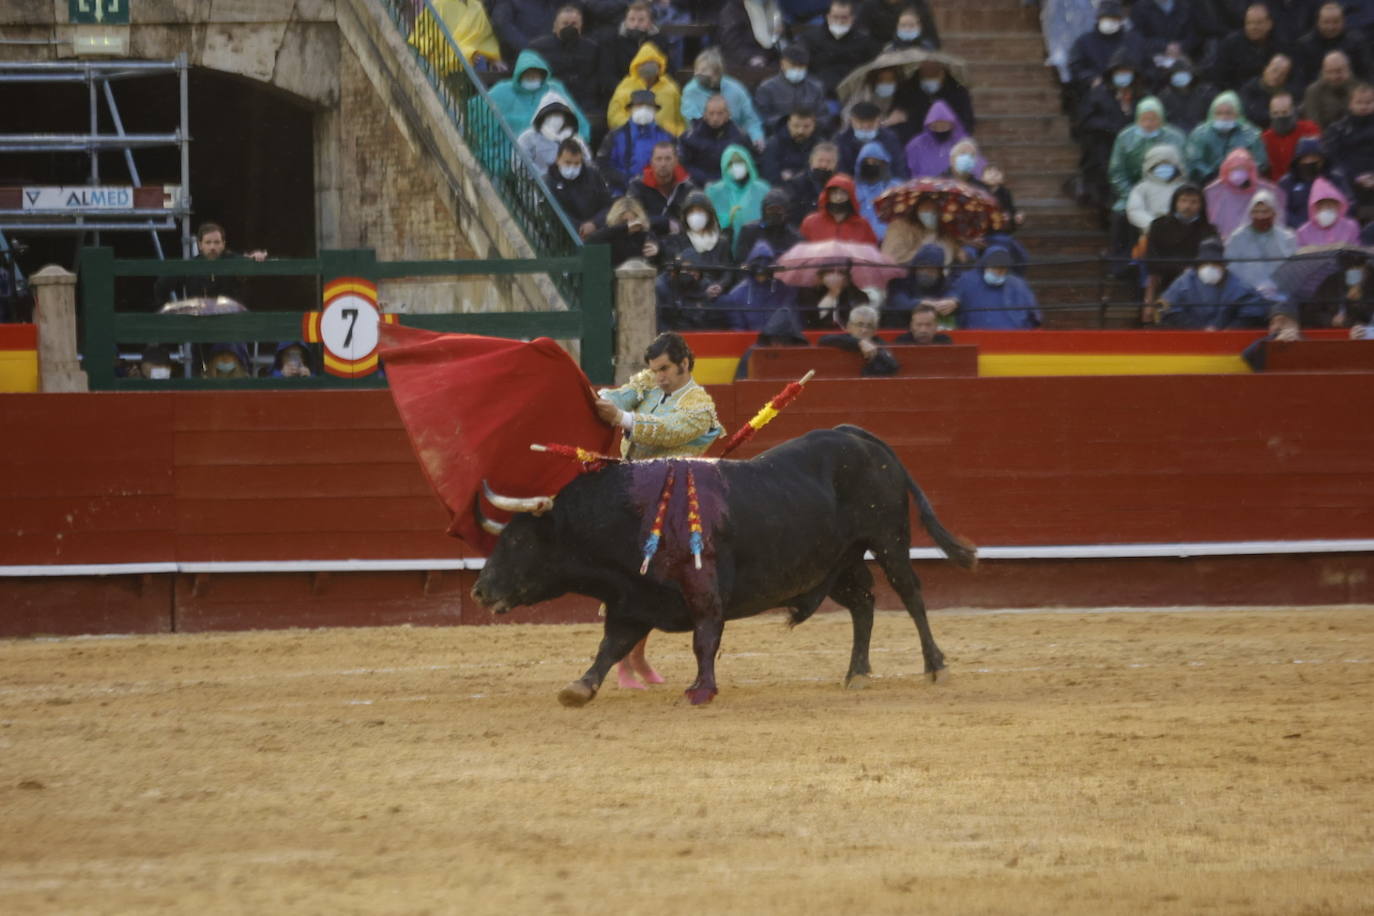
point(961, 553)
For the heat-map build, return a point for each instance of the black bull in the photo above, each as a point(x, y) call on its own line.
point(796, 523)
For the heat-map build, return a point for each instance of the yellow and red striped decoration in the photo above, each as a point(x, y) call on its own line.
point(766, 414)
point(694, 517)
point(656, 532)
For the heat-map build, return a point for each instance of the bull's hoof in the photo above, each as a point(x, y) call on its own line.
point(857, 682)
point(576, 694)
point(700, 696)
point(934, 675)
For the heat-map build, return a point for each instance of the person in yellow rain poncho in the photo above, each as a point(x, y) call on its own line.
point(467, 22)
point(649, 70)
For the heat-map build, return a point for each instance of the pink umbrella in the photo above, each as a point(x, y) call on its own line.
point(801, 264)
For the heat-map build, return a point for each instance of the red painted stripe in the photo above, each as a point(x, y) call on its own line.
point(18, 337)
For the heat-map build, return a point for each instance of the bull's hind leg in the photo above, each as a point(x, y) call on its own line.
point(619, 636)
point(853, 590)
point(897, 565)
point(706, 634)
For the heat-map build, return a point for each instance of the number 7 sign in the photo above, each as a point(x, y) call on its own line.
point(347, 326)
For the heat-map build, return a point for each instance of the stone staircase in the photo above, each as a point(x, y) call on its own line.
point(1022, 130)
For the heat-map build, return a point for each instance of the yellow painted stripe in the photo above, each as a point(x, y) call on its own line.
point(1108, 364)
point(18, 371)
point(366, 290)
point(715, 370)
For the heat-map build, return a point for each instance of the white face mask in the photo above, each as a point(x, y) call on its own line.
point(570, 171)
point(1326, 217)
point(1238, 177)
point(839, 31)
point(928, 219)
point(160, 372)
point(1209, 274)
point(643, 115)
point(885, 90)
point(930, 87)
point(226, 366)
point(552, 127)
point(794, 74)
point(908, 34)
point(1353, 277)
point(1225, 125)
point(1109, 26)
point(531, 83)
point(696, 221)
point(739, 171)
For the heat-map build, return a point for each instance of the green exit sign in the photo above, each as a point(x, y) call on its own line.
point(99, 12)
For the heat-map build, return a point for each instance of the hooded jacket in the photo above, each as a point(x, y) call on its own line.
point(576, 63)
point(928, 154)
point(742, 111)
point(752, 302)
point(701, 148)
point(779, 235)
point(1009, 307)
point(1172, 240)
point(849, 146)
point(1151, 198)
point(1195, 305)
point(1228, 204)
point(1297, 184)
point(714, 240)
point(541, 149)
point(822, 225)
point(868, 191)
point(905, 293)
point(1344, 231)
point(665, 90)
point(1255, 255)
point(916, 102)
point(518, 105)
point(1207, 146)
point(1127, 165)
point(781, 329)
point(1186, 107)
point(737, 202)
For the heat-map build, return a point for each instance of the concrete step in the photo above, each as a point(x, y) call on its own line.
point(1058, 213)
point(1046, 240)
point(1049, 128)
point(1008, 100)
point(1039, 184)
point(998, 18)
point(996, 72)
point(1018, 46)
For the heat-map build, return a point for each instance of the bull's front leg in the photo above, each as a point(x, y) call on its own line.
point(619, 636)
point(706, 636)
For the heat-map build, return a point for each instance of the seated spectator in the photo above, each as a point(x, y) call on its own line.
point(759, 294)
point(1327, 222)
point(621, 41)
point(861, 336)
point(704, 142)
point(928, 152)
point(1167, 28)
point(626, 151)
point(1107, 110)
point(750, 34)
point(808, 186)
point(837, 215)
point(518, 24)
point(837, 46)
point(156, 363)
point(1093, 51)
point(864, 128)
point(662, 188)
point(1210, 297)
point(627, 232)
point(874, 179)
point(1258, 247)
point(292, 360)
point(1174, 239)
point(684, 300)
point(791, 90)
point(908, 23)
point(211, 246)
point(1228, 198)
point(933, 83)
point(879, 86)
point(782, 329)
point(670, 13)
point(1126, 166)
point(771, 227)
point(1242, 55)
point(1309, 164)
point(710, 80)
point(966, 163)
point(1187, 97)
point(788, 152)
point(828, 303)
point(1343, 300)
point(577, 186)
point(908, 235)
point(575, 59)
point(1327, 99)
point(1350, 146)
point(1277, 78)
point(471, 31)
point(924, 329)
point(928, 285)
point(553, 123)
point(1153, 195)
point(992, 298)
point(738, 195)
point(1283, 326)
point(1224, 131)
point(1330, 34)
point(227, 360)
point(648, 71)
point(518, 98)
point(1284, 133)
point(703, 242)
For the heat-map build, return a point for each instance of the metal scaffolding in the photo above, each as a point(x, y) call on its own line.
point(88, 210)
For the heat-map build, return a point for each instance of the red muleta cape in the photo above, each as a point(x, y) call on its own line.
point(473, 405)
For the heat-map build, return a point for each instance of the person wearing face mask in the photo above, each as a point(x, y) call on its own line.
point(927, 285)
point(993, 298)
point(575, 59)
point(750, 33)
point(1286, 130)
point(1224, 131)
point(227, 360)
point(1345, 299)
point(771, 227)
point(1209, 297)
point(626, 151)
point(1108, 110)
point(1093, 50)
point(1153, 195)
point(803, 189)
point(912, 33)
point(292, 360)
point(864, 127)
point(705, 240)
point(518, 99)
point(519, 22)
point(649, 71)
point(663, 189)
point(789, 150)
point(1258, 247)
point(837, 46)
point(873, 180)
point(1350, 146)
point(738, 195)
point(704, 142)
point(928, 152)
point(861, 336)
point(1185, 95)
point(1244, 54)
point(933, 82)
point(1228, 198)
point(1309, 164)
point(627, 232)
point(1328, 222)
point(1173, 241)
point(578, 186)
point(623, 29)
point(1126, 166)
point(837, 215)
point(792, 89)
point(156, 363)
point(683, 301)
point(553, 123)
point(759, 293)
point(910, 22)
point(710, 79)
point(828, 303)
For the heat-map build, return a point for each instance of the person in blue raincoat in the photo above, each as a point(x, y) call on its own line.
point(874, 176)
point(1210, 297)
point(759, 294)
point(992, 298)
point(738, 195)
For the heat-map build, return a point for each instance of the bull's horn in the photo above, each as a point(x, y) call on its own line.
point(490, 527)
point(537, 505)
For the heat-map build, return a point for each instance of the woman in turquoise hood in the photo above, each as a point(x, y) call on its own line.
point(518, 98)
point(738, 196)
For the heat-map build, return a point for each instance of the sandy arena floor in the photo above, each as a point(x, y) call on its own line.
point(1116, 762)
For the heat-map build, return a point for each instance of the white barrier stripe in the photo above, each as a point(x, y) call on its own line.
point(1050, 552)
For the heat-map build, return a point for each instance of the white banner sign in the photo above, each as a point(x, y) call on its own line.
point(83, 198)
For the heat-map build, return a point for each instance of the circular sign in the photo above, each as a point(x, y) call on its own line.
point(348, 327)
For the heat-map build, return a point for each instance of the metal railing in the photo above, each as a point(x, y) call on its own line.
point(104, 329)
point(491, 140)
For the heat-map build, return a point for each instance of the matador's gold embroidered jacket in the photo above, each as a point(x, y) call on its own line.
point(678, 425)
